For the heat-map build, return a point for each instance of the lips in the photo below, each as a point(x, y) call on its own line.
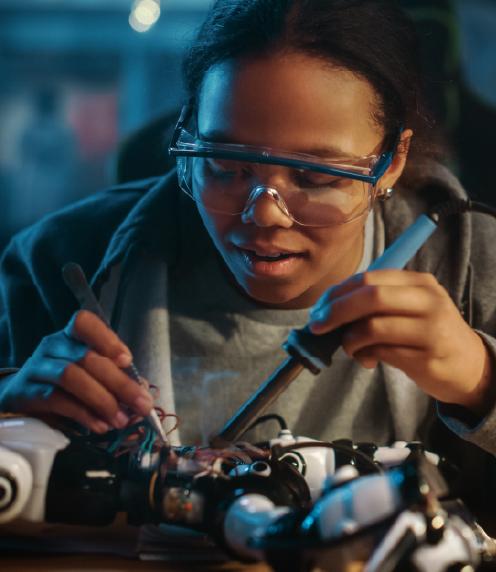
point(268, 251)
point(270, 260)
point(270, 257)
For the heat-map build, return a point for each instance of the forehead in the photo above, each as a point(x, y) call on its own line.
point(289, 101)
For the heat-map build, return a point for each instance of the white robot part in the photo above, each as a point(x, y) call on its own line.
point(407, 521)
point(38, 444)
point(16, 484)
point(260, 468)
point(398, 453)
point(457, 546)
point(249, 517)
point(315, 464)
point(354, 506)
point(343, 475)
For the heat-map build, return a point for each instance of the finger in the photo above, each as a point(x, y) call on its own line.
point(89, 329)
point(97, 382)
point(118, 383)
point(386, 330)
point(76, 382)
point(393, 278)
point(373, 299)
point(395, 356)
point(65, 405)
point(365, 359)
point(376, 278)
point(344, 287)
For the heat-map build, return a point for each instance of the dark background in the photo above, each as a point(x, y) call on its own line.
point(85, 98)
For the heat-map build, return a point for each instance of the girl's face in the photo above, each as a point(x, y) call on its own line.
point(293, 102)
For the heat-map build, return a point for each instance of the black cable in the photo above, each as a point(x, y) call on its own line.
point(269, 417)
point(376, 468)
point(482, 208)
point(459, 206)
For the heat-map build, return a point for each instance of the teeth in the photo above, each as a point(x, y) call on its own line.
point(269, 255)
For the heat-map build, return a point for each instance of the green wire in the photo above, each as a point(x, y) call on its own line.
point(123, 434)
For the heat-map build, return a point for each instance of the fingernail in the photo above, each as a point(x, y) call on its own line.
point(145, 393)
point(120, 420)
point(368, 363)
point(100, 427)
point(124, 359)
point(143, 404)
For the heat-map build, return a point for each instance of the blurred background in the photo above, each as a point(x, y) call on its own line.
point(90, 89)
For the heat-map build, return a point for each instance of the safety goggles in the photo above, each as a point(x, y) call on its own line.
point(311, 190)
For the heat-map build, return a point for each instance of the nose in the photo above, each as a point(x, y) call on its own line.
point(265, 207)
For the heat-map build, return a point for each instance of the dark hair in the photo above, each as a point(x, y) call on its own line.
point(372, 38)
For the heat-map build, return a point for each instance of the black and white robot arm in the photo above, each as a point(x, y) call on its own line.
point(293, 498)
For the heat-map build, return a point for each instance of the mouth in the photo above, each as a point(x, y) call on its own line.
point(270, 261)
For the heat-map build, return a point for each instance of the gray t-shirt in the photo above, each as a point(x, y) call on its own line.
point(223, 346)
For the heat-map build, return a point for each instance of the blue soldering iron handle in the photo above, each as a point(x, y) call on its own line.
point(406, 245)
point(316, 351)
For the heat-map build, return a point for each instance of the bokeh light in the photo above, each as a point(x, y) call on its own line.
point(144, 14)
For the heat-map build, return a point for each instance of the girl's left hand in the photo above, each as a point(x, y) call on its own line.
point(408, 320)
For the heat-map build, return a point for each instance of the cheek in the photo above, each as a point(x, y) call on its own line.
point(338, 240)
point(217, 225)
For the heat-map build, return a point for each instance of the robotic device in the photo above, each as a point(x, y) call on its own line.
point(297, 503)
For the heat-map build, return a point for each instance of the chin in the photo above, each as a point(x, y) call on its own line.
point(274, 295)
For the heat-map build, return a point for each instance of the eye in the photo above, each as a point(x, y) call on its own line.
point(224, 168)
point(312, 179)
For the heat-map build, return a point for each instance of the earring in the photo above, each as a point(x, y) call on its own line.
point(387, 193)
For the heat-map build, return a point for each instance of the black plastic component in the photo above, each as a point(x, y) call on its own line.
point(435, 529)
point(134, 497)
point(313, 351)
point(6, 476)
point(344, 452)
point(83, 487)
point(367, 448)
point(416, 446)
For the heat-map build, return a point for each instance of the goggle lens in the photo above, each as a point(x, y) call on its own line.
point(312, 198)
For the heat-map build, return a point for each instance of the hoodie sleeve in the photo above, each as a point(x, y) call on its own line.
point(481, 313)
point(27, 313)
point(34, 300)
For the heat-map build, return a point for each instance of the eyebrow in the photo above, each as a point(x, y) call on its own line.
point(217, 136)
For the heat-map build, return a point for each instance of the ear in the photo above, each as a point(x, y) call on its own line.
point(394, 171)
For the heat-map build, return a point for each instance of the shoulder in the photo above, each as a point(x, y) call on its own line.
point(429, 185)
point(81, 233)
point(100, 214)
point(85, 228)
point(32, 290)
point(446, 253)
point(422, 187)
point(461, 251)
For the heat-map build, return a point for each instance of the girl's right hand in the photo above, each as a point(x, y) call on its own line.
point(77, 373)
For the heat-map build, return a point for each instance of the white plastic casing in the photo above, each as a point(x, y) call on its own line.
point(354, 506)
point(38, 444)
point(16, 484)
point(319, 462)
point(247, 518)
point(398, 453)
